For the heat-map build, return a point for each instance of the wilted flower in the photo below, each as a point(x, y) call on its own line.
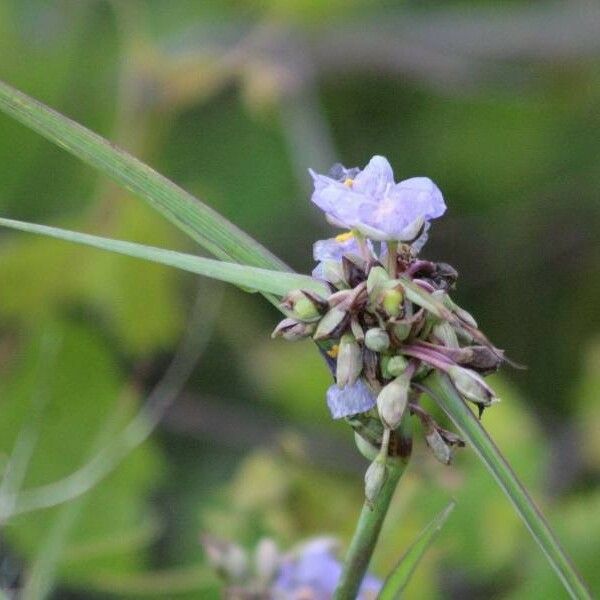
point(372, 203)
point(350, 400)
point(314, 573)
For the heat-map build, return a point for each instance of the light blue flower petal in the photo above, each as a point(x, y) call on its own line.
point(351, 400)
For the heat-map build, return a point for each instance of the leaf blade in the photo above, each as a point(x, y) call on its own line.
point(444, 394)
point(215, 233)
point(263, 280)
point(398, 579)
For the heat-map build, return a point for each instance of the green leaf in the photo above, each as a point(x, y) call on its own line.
point(443, 392)
point(202, 223)
point(400, 576)
point(264, 280)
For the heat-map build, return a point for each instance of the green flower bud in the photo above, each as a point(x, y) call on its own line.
point(395, 366)
point(349, 361)
point(392, 300)
point(333, 321)
point(393, 400)
point(304, 306)
point(375, 478)
point(401, 330)
point(441, 450)
point(471, 386)
point(445, 333)
point(377, 278)
point(461, 313)
point(292, 330)
point(377, 339)
point(266, 559)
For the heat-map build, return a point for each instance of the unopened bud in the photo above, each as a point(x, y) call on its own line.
point(225, 557)
point(375, 478)
point(333, 322)
point(304, 306)
point(461, 313)
point(471, 385)
point(377, 339)
point(266, 559)
point(377, 278)
point(357, 330)
point(392, 300)
point(292, 330)
point(441, 450)
point(401, 330)
point(395, 366)
point(444, 332)
point(392, 401)
point(349, 361)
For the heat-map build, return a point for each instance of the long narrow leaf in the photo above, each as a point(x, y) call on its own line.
point(202, 223)
point(400, 576)
point(443, 392)
point(254, 278)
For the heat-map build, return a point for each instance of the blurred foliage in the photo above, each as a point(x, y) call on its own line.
point(234, 100)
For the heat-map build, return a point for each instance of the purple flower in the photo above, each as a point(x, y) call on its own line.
point(350, 400)
point(371, 202)
point(332, 250)
point(314, 573)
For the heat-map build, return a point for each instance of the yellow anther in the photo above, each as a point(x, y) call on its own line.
point(334, 351)
point(344, 237)
point(348, 182)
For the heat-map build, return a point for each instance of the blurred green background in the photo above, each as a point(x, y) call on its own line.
point(498, 102)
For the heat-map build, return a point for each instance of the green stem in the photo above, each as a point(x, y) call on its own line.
point(392, 259)
point(366, 535)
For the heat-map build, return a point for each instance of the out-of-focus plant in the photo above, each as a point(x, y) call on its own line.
point(381, 317)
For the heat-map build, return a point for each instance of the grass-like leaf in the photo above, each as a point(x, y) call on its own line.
point(254, 278)
point(215, 233)
point(444, 393)
point(398, 579)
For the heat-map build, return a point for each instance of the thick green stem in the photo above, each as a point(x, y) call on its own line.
point(366, 535)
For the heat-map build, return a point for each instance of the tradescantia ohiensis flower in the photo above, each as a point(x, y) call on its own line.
point(389, 320)
point(370, 202)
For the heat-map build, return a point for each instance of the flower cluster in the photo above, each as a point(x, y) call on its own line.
point(389, 320)
point(311, 571)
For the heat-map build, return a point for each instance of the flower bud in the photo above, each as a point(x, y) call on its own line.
point(401, 330)
point(377, 339)
point(332, 323)
point(225, 557)
point(375, 477)
point(441, 450)
point(392, 300)
point(349, 361)
point(392, 401)
point(395, 366)
point(377, 278)
point(471, 385)
point(292, 330)
point(444, 332)
point(357, 330)
point(461, 313)
point(304, 306)
point(266, 559)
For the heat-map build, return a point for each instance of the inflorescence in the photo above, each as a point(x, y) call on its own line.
point(389, 320)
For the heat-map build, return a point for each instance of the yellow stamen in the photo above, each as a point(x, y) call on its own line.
point(334, 351)
point(344, 237)
point(348, 182)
